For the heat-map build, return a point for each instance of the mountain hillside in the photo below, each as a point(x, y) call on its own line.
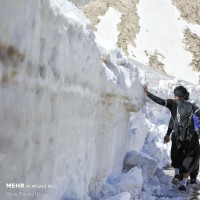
point(75, 123)
point(162, 34)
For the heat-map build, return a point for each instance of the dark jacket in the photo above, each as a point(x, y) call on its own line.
point(171, 104)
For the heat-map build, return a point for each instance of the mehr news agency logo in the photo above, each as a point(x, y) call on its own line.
point(22, 185)
point(43, 189)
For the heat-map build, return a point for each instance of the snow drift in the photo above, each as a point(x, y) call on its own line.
point(65, 102)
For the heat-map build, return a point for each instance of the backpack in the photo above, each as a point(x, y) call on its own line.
point(183, 127)
point(196, 122)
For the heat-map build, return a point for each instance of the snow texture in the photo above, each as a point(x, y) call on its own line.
point(160, 32)
point(162, 29)
point(65, 102)
point(71, 110)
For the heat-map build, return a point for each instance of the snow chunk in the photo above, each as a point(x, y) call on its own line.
point(147, 164)
point(131, 181)
point(121, 196)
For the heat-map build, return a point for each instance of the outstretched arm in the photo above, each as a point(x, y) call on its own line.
point(154, 98)
point(169, 131)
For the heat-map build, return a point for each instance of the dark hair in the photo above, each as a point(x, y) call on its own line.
point(181, 92)
point(186, 97)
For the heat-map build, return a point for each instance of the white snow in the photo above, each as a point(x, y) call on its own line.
point(161, 29)
point(137, 134)
point(66, 106)
point(107, 33)
point(64, 111)
point(116, 186)
point(121, 196)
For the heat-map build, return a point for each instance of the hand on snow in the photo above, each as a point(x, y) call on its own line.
point(166, 138)
point(145, 88)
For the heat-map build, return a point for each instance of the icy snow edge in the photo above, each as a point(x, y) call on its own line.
point(73, 99)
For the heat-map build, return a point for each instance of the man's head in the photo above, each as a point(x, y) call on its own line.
point(186, 97)
point(181, 92)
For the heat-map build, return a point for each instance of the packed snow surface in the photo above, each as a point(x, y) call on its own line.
point(71, 110)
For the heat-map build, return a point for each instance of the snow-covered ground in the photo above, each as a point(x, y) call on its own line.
point(72, 111)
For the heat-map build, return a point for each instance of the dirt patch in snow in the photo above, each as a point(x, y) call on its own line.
point(129, 26)
point(154, 60)
point(189, 9)
point(10, 57)
point(10, 54)
point(192, 42)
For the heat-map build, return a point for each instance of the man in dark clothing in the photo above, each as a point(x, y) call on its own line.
point(188, 147)
point(174, 157)
point(174, 153)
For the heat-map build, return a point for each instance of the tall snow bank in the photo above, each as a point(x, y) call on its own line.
point(64, 111)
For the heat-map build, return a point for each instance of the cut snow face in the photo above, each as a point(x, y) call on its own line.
point(74, 100)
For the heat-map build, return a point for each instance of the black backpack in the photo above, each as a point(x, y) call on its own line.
point(183, 127)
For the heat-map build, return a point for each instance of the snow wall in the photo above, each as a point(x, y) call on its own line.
point(65, 103)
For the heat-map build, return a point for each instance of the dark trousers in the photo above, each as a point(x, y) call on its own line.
point(185, 155)
point(194, 174)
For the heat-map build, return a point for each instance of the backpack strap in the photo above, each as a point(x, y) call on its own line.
point(182, 129)
point(197, 110)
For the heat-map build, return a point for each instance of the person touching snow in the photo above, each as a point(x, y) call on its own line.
point(187, 143)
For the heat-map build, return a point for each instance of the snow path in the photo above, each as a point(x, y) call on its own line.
point(154, 78)
point(174, 194)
